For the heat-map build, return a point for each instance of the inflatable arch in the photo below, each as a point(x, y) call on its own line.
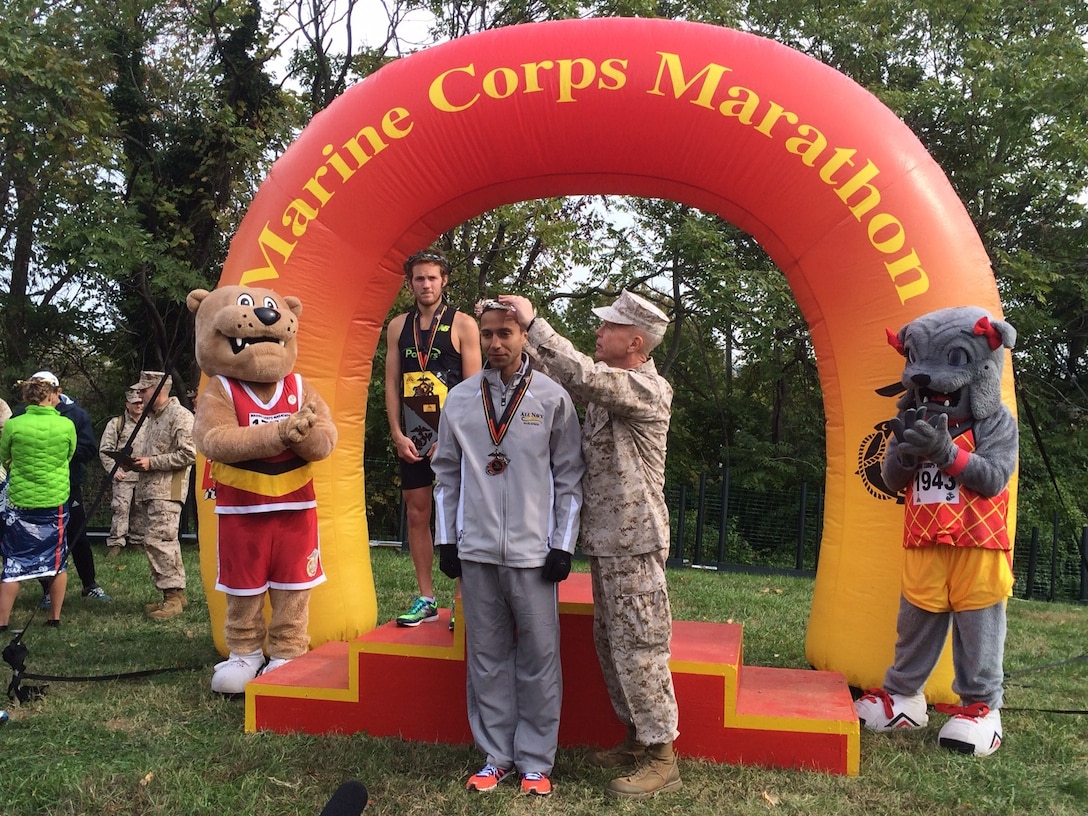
point(833, 186)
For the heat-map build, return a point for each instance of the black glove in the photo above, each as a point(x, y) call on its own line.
point(557, 566)
point(448, 561)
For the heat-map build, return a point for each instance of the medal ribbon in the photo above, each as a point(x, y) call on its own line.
point(498, 430)
point(424, 356)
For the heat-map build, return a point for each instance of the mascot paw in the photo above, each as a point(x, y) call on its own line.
point(879, 711)
point(974, 729)
point(232, 674)
point(297, 427)
point(931, 441)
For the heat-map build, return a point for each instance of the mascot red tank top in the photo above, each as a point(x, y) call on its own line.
point(281, 482)
point(940, 510)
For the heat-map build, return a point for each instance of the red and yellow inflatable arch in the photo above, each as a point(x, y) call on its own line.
point(834, 187)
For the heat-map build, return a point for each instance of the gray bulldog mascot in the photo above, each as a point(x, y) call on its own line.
point(953, 450)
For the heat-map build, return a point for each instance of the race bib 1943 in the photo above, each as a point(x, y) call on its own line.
point(932, 486)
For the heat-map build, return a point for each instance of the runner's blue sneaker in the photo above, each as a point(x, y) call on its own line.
point(422, 611)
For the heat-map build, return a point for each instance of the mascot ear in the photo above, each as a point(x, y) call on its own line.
point(195, 298)
point(998, 333)
point(1007, 332)
point(294, 304)
point(896, 341)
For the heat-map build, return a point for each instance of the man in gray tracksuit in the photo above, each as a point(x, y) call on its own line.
point(508, 469)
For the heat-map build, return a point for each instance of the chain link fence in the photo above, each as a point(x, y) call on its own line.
point(715, 525)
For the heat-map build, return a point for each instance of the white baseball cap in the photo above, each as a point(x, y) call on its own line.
point(46, 376)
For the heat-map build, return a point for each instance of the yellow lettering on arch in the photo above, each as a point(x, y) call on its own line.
point(712, 76)
point(268, 240)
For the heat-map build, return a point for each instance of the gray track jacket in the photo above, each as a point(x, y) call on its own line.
point(510, 518)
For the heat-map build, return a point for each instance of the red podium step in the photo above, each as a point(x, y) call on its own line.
point(729, 712)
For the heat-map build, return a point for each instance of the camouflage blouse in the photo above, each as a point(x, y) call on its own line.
point(624, 437)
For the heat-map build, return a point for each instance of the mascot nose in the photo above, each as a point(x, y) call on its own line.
point(266, 315)
point(920, 379)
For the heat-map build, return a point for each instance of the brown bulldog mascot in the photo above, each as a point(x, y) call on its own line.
point(260, 425)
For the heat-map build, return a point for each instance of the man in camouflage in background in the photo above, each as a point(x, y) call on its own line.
point(163, 455)
point(123, 482)
point(625, 525)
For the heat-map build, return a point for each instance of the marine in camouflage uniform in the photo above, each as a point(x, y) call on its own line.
point(123, 485)
point(165, 454)
point(625, 525)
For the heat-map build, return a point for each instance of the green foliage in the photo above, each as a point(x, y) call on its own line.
point(133, 135)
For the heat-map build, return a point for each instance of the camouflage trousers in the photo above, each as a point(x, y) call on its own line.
point(632, 630)
point(123, 508)
point(160, 520)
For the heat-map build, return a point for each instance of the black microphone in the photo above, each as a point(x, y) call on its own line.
point(349, 800)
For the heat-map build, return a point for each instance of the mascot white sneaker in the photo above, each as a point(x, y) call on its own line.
point(880, 711)
point(972, 730)
point(231, 675)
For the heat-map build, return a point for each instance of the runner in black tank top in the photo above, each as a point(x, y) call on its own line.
point(422, 363)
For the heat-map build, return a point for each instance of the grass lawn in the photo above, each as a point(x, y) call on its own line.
point(164, 744)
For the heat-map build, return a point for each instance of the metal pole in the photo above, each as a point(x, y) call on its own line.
point(678, 559)
point(402, 526)
point(1083, 564)
point(1033, 563)
point(799, 559)
point(1054, 560)
point(723, 524)
point(698, 558)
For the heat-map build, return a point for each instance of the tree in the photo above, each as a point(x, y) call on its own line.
point(995, 91)
point(54, 125)
point(196, 113)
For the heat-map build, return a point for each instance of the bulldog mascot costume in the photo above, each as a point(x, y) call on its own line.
point(260, 426)
point(953, 449)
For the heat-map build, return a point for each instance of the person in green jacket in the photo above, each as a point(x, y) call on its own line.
point(36, 447)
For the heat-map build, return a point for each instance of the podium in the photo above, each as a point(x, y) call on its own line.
point(410, 683)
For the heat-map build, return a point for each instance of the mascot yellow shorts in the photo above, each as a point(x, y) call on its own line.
point(956, 579)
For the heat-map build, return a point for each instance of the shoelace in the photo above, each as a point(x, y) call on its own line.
point(532, 776)
point(975, 711)
point(491, 770)
point(881, 696)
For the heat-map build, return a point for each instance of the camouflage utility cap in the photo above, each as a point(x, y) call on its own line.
point(150, 379)
point(631, 310)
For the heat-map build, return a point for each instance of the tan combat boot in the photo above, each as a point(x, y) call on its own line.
point(172, 605)
point(625, 755)
point(658, 773)
point(151, 607)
